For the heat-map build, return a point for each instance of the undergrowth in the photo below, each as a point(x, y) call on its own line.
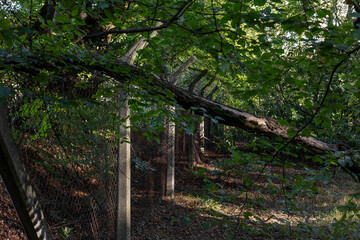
point(276, 202)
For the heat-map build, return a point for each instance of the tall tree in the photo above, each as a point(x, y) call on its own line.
point(295, 61)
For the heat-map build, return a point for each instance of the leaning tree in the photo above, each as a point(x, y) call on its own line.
point(293, 62)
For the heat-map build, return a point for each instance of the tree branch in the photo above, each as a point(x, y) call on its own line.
point(227, 115)
point(180, 11)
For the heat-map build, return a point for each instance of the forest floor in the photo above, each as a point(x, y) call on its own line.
point(10, 226)
point(217, 203)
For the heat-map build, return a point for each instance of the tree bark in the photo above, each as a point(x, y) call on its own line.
point(236, 117)
point(229, 116)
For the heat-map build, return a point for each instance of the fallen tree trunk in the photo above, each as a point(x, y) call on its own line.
point(236, 117)
point(231, 116)
point(228, 115)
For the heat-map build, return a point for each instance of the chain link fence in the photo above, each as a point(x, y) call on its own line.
point(70, 150)
point(70, 153)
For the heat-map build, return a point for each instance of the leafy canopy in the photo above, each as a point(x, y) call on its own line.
point(276, 58)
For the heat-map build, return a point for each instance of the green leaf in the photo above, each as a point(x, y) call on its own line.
point(236, 156)
point(69, 36)
point(247, 181)
point(355, 14)
point(284, 122)
point(62, 19)
point(201, 170)
point(247, 215)
point(77, 33)
point(308, 104)
point(357, 84)
point(108, 13)
point(68, 27)
point(326, 124)
point(355, 195)
point(42, 78)
point(75, 11)
point(306, 133)
point(356, 33)
point(317, 121)
point(322, 13)
point(50, 23)
point(78, 21)
point(206, 226)
point(266, 55)
point(308, 35)
point(210, 187)
point(291, 132)
point(259, 2)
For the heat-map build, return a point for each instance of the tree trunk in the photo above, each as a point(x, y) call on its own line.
point(236, 117)
point(229, 116)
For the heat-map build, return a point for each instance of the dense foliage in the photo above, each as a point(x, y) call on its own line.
point(295, 61)
point(280, 59)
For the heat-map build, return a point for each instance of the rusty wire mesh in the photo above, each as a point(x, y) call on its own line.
point(70, 152)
